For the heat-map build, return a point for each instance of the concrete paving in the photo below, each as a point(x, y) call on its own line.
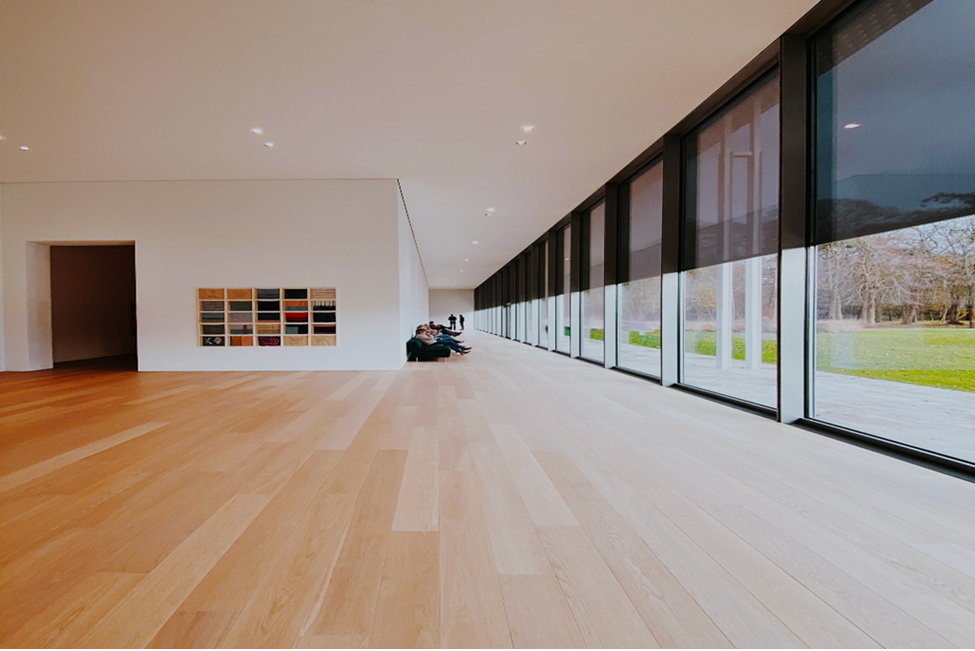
point(935, 419)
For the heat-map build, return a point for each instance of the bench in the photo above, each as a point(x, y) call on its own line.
point(416, 351)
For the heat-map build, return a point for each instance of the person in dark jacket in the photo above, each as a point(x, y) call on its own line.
point(461, 321)
point(453, 322)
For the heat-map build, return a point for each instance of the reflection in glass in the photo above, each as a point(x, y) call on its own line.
point(639, 299)
point(592, 297)
point(894, 224)
point(730, 245)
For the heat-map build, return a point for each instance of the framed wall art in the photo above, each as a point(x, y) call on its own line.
point(266, 317)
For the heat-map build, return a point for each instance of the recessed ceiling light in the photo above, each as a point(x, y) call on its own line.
point(474, 242)
point(462, 271)
point(490, 209)
point(2, 137)
point(528, 129)
point(851, 125)
point(268, 144)
point(24, 148)
point(521, 142)
point(467, 260)
point(257, 130)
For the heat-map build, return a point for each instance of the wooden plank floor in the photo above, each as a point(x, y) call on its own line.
point(509, 498)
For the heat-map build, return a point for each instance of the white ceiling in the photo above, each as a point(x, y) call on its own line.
point(432, 92)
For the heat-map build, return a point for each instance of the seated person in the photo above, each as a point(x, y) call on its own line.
point(442, 328)
point(429, 338)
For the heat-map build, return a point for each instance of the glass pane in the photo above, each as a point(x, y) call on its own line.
point(895, 223)
point(639, 299)
point(543, 308)
point(895, 128)
point(895, 333)
point(592, 298)
point(730, 303)
point(730, 342)
point(563, 304)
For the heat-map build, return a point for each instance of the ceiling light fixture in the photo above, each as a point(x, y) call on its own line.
point(490, 209)
point(2, 137)
point(474, 242)
point(851, 125)
point(24, 148)
point(521, 142)
point(257, 130)
point(467, 260)
point(528, 129)
point(269, 144)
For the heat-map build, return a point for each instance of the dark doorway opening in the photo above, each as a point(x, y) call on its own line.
point(93, 305)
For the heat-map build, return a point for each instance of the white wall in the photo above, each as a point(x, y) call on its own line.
point(414, 291)
point(191, 234)
point(444, 302)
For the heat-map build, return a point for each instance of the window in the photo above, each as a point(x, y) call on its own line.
point(562, 300)
point(730, 246)
point(543, 295)
point(639, 296)
point(895, 224)
point(592, 296)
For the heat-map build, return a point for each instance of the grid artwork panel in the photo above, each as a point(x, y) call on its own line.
point(266, 317)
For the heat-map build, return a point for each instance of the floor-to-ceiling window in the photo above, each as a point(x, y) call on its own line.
point(592, 301)
point(731, 240)
point(894, 224)
point(639, 296)
point(543, 250)
point(563, 311)
point(530, 306)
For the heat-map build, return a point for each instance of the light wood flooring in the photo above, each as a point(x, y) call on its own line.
point(512, 497)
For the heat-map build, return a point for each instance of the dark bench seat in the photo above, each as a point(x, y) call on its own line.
point(416, 351)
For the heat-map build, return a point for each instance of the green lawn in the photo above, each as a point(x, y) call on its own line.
point(935, 357)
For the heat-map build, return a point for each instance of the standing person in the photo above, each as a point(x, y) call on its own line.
point(461, 321)
point(453, 322)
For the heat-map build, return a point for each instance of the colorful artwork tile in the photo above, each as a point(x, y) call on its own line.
point(323, 294)
point(232, 311)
